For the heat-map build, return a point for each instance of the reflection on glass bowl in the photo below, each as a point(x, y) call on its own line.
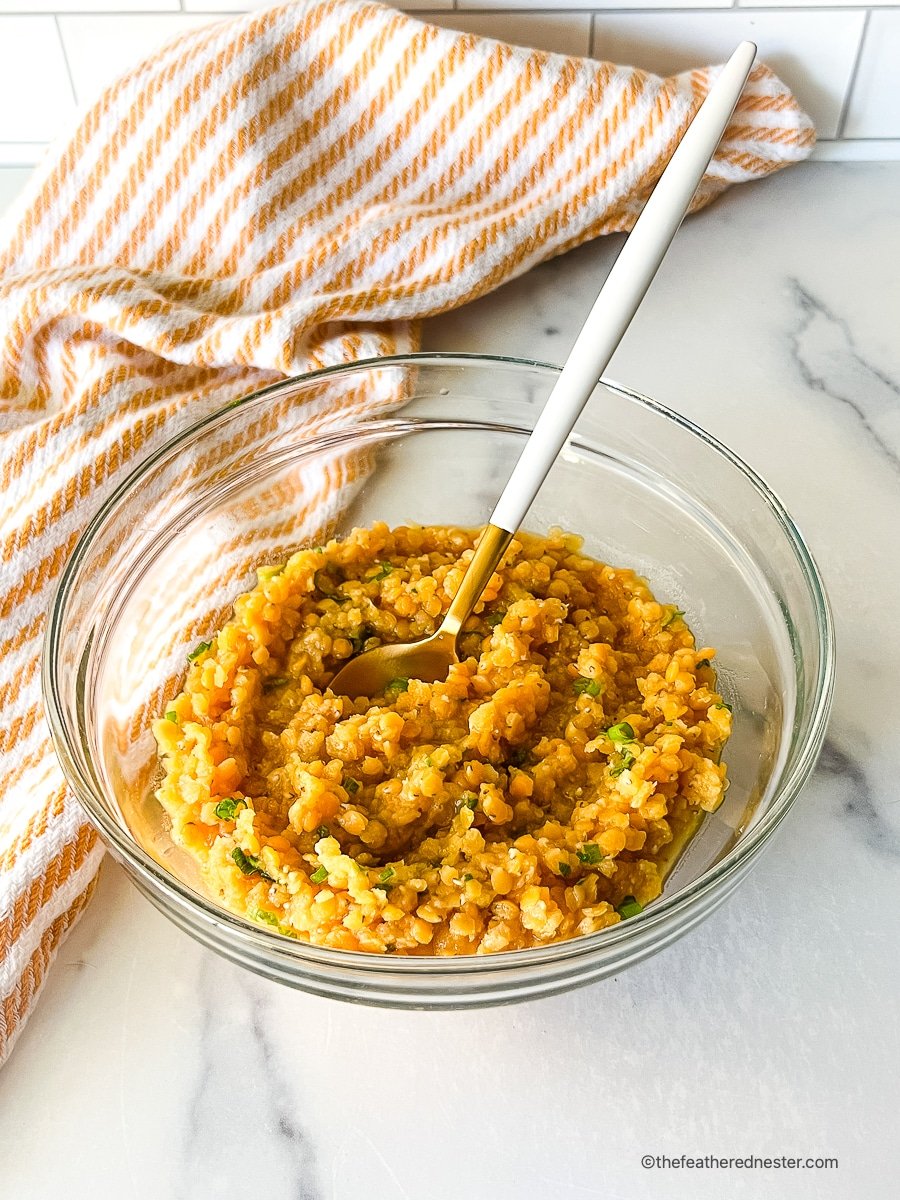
point(430, 439)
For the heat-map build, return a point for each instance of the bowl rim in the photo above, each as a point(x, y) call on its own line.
point(126, 848)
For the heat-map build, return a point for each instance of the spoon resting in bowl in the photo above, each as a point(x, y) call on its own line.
point(369, 673)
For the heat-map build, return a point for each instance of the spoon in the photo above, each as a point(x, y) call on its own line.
point(626, 285)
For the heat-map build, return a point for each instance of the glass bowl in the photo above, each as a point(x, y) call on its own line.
point(431, 439)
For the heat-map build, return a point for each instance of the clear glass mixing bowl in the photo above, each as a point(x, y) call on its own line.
point(430, 439)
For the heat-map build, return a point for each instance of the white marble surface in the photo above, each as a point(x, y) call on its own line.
point(152, 1069)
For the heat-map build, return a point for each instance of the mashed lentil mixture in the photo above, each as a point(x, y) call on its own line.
point(528, 798)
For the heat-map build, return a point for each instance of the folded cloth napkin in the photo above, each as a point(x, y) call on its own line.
point(267, 195)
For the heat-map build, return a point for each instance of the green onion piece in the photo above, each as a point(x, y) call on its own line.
point(228, 809)
point(351, 785)
point(397, 685)
point(565, 870)
point(384, 570)
point(629, 908)
point(323, 831)
point(520, 757)
point(468, 800)
point(625, 760)
point(274, 681)
point(589, 687)
point(359, 639)
point(199, 649)
point(269, 572)
point(622, 732)
point(467, 877)
point(319, 875)
point(494, 618)
point(589, 853)
point(248, 864)
point(384, 879)
point(722, 704)
point(263, 914)
point(673, 616)
point(318, 549)
point(170, 716)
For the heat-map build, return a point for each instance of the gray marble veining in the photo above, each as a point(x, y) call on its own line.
point(829, 362)
point(152, 1069)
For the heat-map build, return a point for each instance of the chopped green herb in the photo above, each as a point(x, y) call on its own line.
point(385, 878)
point(228, 809)
point(200, 648)
point(673, 616)
point(396, 686)
point(351, 785)
point(384, 569)
point(248, 864)
point(264, 573)
point(494, 618)
point(629, 908)
point(622, 732)
point(323, 831)
point(467, 877)
point(588, 687)
point(275, 681)
point(170, 716)
point(589, 853)
point(428, 760)
point(704, 662)
point(263, 914)
point(722, 704)
point(468, 800)
point(624, 761)
point(359, 639)
point(565, 870)
point(319, 875)
point(520, 757)
point(318, 549)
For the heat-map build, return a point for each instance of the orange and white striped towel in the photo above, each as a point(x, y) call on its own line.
point(269, 194)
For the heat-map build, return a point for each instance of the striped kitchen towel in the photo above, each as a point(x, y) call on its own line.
point(269, 194)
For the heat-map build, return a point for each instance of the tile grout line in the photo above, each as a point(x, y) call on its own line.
point(62, 46)
point(851, 83)
point(707, 6)
point(660, 10)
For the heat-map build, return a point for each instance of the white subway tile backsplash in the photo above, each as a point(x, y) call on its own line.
point(61, 6)
point(100, 48)
point(588, 5)
point(223, 6)
point(804, 4)
point(12, 181)
point(857, 150)
point(563, 33)
point(874, 108)
point(813, 52)
point(813, 44)
point(35, 93)
point(21, 154)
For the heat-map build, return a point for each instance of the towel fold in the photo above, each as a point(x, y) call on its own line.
point(267, 195)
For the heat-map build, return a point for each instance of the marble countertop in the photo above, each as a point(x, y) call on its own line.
point(153, 1069)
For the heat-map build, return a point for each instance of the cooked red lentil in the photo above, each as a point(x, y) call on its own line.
point(528, 798)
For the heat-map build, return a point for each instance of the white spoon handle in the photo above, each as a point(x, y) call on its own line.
point(624, 289)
